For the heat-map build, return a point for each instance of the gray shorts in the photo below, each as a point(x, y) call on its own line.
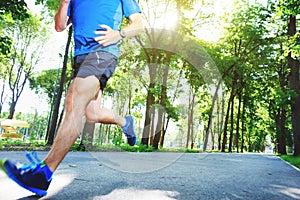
point(100, 64)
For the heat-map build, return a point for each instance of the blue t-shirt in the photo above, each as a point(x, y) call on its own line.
point(87, 16)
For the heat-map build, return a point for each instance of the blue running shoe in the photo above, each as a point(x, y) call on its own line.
point(128, 130)
point(35, 177)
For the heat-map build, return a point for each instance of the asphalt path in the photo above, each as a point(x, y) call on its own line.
point(162, 176)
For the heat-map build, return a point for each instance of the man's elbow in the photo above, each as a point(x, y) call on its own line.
point(60, 23)
point(59, 28)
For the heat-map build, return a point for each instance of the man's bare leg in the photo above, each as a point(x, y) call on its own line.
point(81, 92)
point(94, 113)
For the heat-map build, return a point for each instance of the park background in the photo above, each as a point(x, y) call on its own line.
point(204, 75)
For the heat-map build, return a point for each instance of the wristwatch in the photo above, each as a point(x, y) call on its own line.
point(122, 33)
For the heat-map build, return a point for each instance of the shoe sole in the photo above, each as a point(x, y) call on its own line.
point(37, 191)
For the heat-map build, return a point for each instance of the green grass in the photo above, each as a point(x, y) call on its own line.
point(292, 160)
point(41, 146)
point(19, 145)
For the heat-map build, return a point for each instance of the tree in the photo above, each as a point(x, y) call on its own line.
point(53, 126)
point(3, 76)
point(45, 82)
point(294, 84)
point(291, 8)
point(52, 6)
point(25, 54)
point(17, 11)
point(159, 51)
point(242, 54)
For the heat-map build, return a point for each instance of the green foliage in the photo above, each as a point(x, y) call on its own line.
point(19, 145)
point(136, 148)
point(292, 46)
point(52, 5)
point(17, 9)
point(254, 48)
point(37, 125)
point(282, 99)
point(288, 7)
point(45, 82)
point(25, 53)
point(172, 111)
point(86, 143)
point(118, 140)
point(192, 151)
point(5, 44)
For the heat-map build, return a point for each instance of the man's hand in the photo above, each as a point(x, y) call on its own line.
point(109, 36)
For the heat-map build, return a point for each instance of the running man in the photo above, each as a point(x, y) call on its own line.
point(96, 25)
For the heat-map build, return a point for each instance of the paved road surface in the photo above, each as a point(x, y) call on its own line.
point(163, 176)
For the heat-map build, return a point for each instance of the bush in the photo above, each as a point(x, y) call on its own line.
point(136, 148)
point(118, 141)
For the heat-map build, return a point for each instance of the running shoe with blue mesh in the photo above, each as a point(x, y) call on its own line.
point(128, 130)
point(35, 177)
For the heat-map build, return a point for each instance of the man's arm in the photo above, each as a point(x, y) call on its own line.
point(61, 17)
point(135, 26)
point(110, 36)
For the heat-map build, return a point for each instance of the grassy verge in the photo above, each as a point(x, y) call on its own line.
point(295, 161)
point(19, 145)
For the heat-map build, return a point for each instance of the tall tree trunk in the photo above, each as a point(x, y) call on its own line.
point(221, 123)
point(245, 101)
point(158, 128)
point(232, 96)
point(86, 143)
point(280, 115)
point(231, 99)
point(12, 109)
point(166, 118)
point(189, 129)
point(163, 102)
point(209, 121)
point(16, 87)
point(294, 85)
point(152, 130)
point(149, 103)
point(214, 102)
point(100, 134)
point(213, 132)
point(51, 105)
point(237, 135)
point(231, 125)
point(224, 141)
point(190, 118)
point(2, 98)
point(164, 130)
point(53, 124)
point(281, 132)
